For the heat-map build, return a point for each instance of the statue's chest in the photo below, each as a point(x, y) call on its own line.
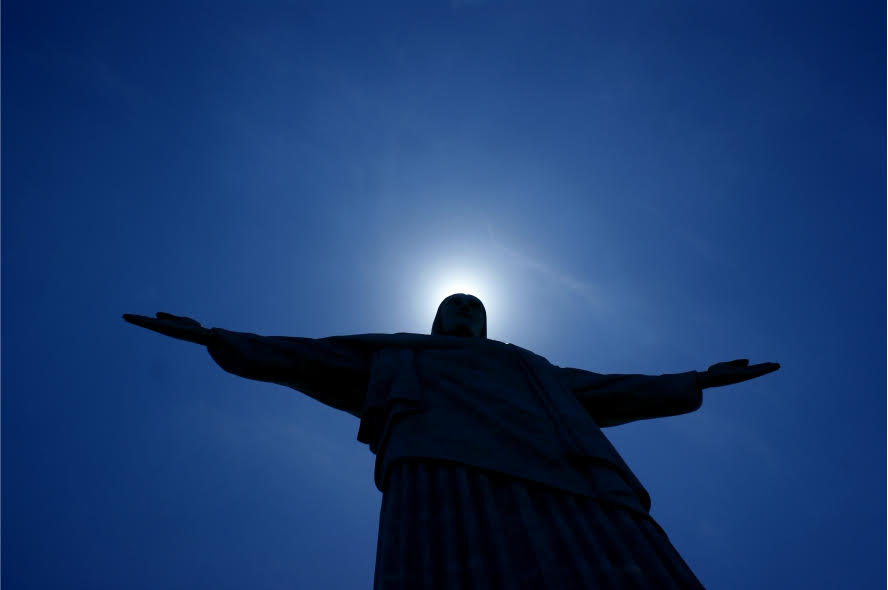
point(468, 363)
point(492, 376)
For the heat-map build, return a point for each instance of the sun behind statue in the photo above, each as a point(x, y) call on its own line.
point(461, 315)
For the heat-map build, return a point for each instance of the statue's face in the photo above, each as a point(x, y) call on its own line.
point(462, 315)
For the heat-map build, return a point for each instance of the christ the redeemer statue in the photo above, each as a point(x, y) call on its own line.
point(491, 460)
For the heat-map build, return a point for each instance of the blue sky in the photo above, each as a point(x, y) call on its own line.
point(646, 188)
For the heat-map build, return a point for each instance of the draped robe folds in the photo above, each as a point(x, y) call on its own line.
point(474, 402)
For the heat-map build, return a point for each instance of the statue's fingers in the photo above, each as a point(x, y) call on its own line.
point(739, 363)
point(139, 320)
point(765, 368)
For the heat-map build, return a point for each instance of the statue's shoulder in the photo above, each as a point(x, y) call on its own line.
point(400, 339)
point(529, 355)
point(430, 342)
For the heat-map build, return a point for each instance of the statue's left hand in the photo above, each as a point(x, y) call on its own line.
point(731, 372)
point(174, 326)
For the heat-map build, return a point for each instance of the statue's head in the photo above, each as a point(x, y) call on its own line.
point(461, 315)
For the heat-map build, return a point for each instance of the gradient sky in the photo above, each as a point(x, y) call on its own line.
point(630, 187)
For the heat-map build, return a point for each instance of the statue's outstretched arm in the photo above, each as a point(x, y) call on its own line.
point(617, 399)
point(334, 371)
point(614, 399)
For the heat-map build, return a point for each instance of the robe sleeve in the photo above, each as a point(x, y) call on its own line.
point(616, 399)
point(334, 371)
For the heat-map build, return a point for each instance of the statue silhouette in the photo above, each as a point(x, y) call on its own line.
point(493, 467)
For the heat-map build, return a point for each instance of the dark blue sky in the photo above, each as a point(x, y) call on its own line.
point(646, 188)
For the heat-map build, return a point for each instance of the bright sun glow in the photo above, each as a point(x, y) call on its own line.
point(461, 278)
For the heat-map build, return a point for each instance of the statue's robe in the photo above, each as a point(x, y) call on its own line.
point(491, 460)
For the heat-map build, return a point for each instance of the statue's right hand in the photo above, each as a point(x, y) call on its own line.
point(172, 325)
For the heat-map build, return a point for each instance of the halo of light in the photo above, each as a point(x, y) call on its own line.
point(457, 276)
